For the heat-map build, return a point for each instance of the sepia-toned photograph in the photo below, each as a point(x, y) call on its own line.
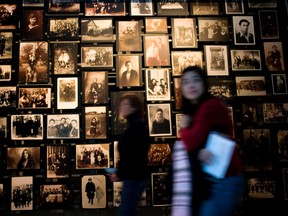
point(249, 113)
point(93, 189)
point(5, 73)
point(157, 84)
point(172, 7)
point(285, 182)
point(262, 4)
point(33, 3)
point(57, 161)
point(204, 8)
point(8, 97)
point(32, 25)
point(160, 190)
point(246, 60)
point(223, 89)
point(96, 30)
point(64, 58)
point(141, 8)
point(34, 98)
point(100, 56)
point(177, 93)
point(63, 126)
point(33, 62)
point(67, 92)
point(8, 16)
point(178, 119)
point(96, 122)
point(1, 195)
point(159, 119)
point(116, 154)
point(101, 8)
point(275, 112)
point(23, 158)
point(92, 156)
point(244, 32)
point(261, 188)
point(279, 84)
point(268, 24)
point(250, 86)
point(234, 7)
point(156, 25)
point(6, 45)
point(216, 58)
point(95, 86)
point(159, 155)
point(62, 7)
point(282, 141)
point(27, 127)
point(274, 56)
point(3, 129)
point(63, 28)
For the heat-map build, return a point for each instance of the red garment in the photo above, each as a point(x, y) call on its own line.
point(211, 115)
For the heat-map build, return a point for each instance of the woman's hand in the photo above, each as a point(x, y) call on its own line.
point(185, 121)
point(205, 156)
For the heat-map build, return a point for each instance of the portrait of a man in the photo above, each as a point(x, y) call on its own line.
point(244, 30)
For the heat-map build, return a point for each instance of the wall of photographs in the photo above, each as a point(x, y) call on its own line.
point(64, 66)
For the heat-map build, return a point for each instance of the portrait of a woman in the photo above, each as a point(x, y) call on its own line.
point(26, 161)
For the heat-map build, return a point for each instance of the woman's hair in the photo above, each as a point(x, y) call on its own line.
point(28, 151)
point(135, 102)
point(187, 106)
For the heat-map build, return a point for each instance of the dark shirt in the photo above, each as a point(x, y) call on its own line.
point(160, 127)
point(242, 39)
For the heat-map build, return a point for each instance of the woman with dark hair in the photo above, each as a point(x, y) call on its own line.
point(26, 161)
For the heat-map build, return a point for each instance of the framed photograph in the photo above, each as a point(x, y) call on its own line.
point(128, 36)
point(246, 60)
point(119, 124)
point(96, 30)
point(62, 7)
point(32, 25)
point(268, 24)
point(6, 45)
point(33, 62)
point(274, 56)
point(178, 119)
point(262, 4)
point(33, 3)
point(177, 93)
point(1, 195)
point(184, 33)
point(34, 98)
point(5, 73)
point(96, 122)
point(92, 156)
point(279, 84)
point(9, 16)
point(57, 161)
point(172, 8)
point(115, 8)
point(282, 140)
point(10, 98)
point(63, 126)
point(204, 8)
point(285, 182)
point(249, 113)
point(63, 28)
point(234, 7)
point(222, 88)
point(20, 185)
point(27, 127)
point(116, 155)
point(141, 8)
point(213, 29)
point(243, 28)
point(159, 155)
point(269, 188)
point(3, 129)
point(160, 191)
point(157, 84)
point(156, 50)
point(230, 111)
point(216, 58)
point(67, 92)
point(129, 70)
point(64, 58)
point(159, 119)
point(156, 25)
point(275, 112)
point(93, 190)
point(183, 59)
point(95, 86)
point(97, 56)
point(56, 196)
point(250, 86)
point(23, 158)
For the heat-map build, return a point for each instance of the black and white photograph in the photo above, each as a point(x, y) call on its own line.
point(279, 84)
point(160, 190)
point(5, 73)
point(97, 56)
point(95, 86)
point(33, 3)
point(223, 89)
point(8, 97)
point(92, 156)
point(27, 127)
point(128, 36)
point(274, 56)
point(262, 4)
point(159, 155)
point(63, 126)
point(285, 182)
point(93, 190)
point(213, 29)
point(268, 24)
point(22, 193)
point(141, 8)
point(261, 188)
point(282, 141)
point(184, 33)
point(63, 7)
point(8, 16)
point(250, 86)
point(216, 58)
point(57, 161)
point(3, 128)
point(33, 62)
point(156, 25)
point(172, 7)
point(246, 60)
point(32, 25)
point(101, 8)
point(257, 149)
point(234, 7)
point(96, 122)
point(183, 59)
point(96, 30)
point(67, 92)
point(64, 58)
point(6, 45)
point(116, 154)
point(63, 28)
point(34, 98)
point(244, 31)
point(129, 70)
point(177, 92)
point(204, 8)
point(23, 158)
point(249, 113)
point(275, 112)
point(178, 119)
point(159, 119)
point(157, 84)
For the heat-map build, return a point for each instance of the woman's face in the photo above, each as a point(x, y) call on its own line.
point(125, 108)
point(25, 154)
point(192, 86)
point(33, 20)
